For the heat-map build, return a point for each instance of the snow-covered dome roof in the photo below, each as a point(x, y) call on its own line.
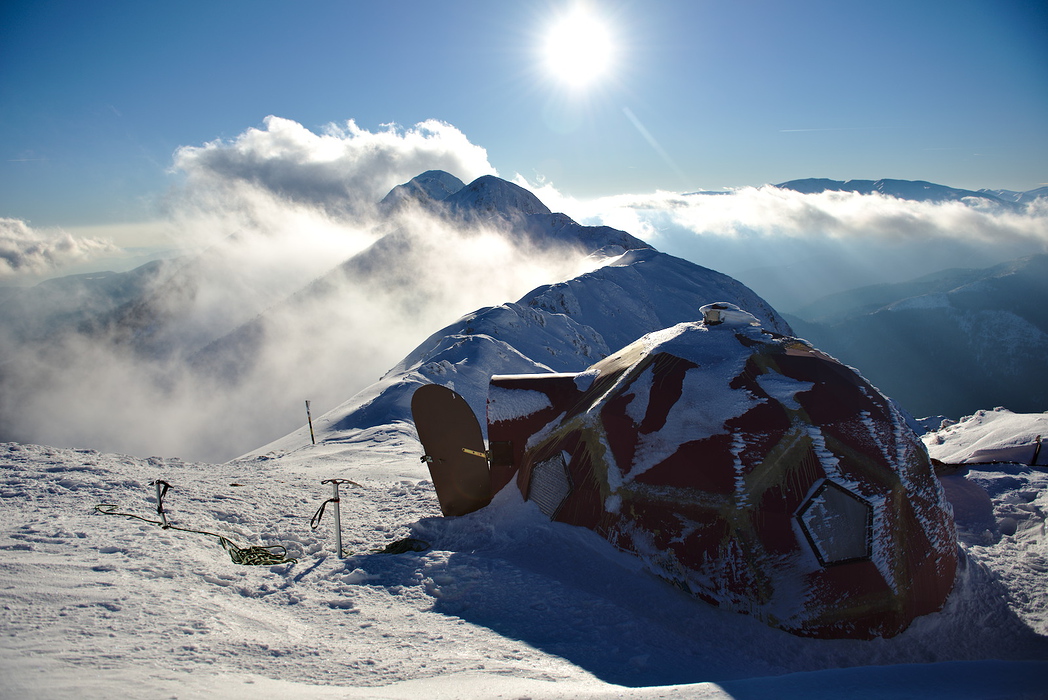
point(746, 466)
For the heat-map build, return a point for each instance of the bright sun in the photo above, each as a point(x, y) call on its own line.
point(579, 49)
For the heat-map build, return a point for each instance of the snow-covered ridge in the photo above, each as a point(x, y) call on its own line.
point(928, 301)
point(492, 196)
point(563, 327)
point(1017, 197)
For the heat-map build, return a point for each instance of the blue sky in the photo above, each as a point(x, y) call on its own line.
point(95, 97)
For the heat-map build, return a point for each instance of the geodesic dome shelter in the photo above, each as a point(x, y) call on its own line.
point(747, 467)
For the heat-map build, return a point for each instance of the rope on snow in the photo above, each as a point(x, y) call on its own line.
point(267, 555)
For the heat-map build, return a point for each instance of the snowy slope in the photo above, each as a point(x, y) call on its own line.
point(503, 604)
point(1000, 506)
point(949, 343)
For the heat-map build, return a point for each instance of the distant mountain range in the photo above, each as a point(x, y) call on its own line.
point(793, 272)
point(950, 343)
point(1018, 197)
point(916, 190)
point(34, 314)
point(155, 309)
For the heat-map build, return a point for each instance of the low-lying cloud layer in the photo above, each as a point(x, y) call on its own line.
point(769, 212)
point(794, 247)
point(29, 251)
point(189, 377)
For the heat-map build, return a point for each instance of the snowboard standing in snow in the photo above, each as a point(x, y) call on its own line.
point(454, 445)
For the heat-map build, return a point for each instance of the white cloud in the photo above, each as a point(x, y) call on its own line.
point(343, 169)
point(772, 212)
point(847, 215)
point(24, 250)
point(794, 248)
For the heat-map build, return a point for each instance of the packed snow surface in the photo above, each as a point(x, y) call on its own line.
point(504, 603)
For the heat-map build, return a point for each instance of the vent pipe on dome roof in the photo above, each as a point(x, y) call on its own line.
point(722, 312)
point(711, 314)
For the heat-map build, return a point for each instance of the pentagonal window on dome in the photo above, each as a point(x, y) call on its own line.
point(837, 524)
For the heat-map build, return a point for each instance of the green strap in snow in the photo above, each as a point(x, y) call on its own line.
point(268, 555)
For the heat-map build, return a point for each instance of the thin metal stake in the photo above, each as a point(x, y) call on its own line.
point(161, 489)
point(309, 417)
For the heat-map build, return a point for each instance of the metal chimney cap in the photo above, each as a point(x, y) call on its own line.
point(724, 312)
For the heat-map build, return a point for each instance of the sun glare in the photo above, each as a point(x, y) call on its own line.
point(579, 49)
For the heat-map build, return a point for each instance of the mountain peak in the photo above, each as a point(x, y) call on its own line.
point(430, 186)
point(438, 183)
point(489, 196)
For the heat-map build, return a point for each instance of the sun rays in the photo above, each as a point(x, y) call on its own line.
point(579, 48)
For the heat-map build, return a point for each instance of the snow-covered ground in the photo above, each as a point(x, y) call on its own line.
point(503, 603)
